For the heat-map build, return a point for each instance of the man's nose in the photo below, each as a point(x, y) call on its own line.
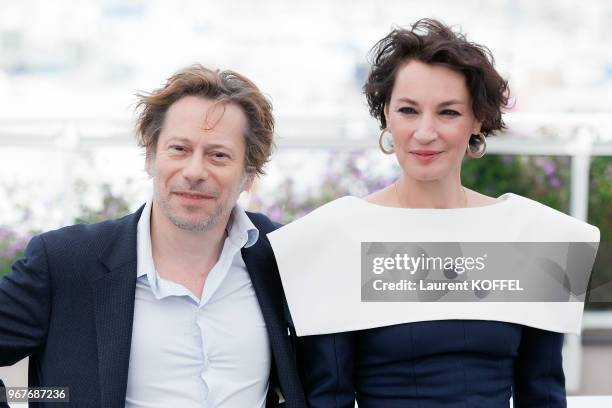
point(195, 168)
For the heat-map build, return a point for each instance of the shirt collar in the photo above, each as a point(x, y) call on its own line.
point(240, 231)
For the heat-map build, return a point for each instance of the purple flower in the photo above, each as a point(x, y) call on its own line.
point(550, 168)
point(333, 177)
point(4, 232)
point(16, 246)
point(274, 213)
point(555, 182)
point(11, 244)
point(302, 213)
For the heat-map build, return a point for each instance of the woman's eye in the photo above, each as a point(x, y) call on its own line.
point(406, 109)
point(450, 112)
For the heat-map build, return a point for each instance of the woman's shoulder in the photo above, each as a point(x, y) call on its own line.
point(481, 200)
point(326, 216)
point(329, 209)
point(556, 223)
point(380, 197)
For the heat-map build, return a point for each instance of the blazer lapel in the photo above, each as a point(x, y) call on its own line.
point(258, 263)
point(262, 266)
point(113, 293)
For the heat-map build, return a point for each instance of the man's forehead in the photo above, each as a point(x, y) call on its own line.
point(207, 111)
point(195, 115)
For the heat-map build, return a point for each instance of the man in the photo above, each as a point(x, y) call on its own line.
point(180, 303)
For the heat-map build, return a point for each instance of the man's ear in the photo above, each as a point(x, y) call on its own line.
point(248, 181)
point(149, 163)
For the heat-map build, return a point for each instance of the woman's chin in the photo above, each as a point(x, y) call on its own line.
point(424, 176)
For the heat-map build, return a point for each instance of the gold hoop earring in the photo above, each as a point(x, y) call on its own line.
point(477, 146)
point(389, 148)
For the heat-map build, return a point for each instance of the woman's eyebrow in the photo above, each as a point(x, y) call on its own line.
point(452, 102)
point(441, 104)
point(408, 100)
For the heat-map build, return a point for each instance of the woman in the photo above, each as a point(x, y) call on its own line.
point(436, 96)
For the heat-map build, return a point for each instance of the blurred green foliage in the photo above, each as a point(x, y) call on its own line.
point(541, 178)
point(113, 206)
point(600, 199)
point(600, 214)
point(12, 243)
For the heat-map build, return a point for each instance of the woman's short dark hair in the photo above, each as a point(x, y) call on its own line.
point(432, 42)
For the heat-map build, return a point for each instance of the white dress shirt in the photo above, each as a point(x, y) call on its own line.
point(190, 352)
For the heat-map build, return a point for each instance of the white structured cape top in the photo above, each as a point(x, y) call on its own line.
point(319, 259)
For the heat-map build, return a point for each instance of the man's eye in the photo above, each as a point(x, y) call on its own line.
point(177, 148)
point(219, 155)
point(406, 109)
point(450, 112)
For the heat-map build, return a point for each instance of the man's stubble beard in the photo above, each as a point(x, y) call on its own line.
point(220, 212)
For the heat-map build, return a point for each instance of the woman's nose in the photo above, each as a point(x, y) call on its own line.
point(425, 132)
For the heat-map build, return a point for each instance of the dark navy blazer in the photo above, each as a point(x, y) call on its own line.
point(69, 306)
point(437, 364)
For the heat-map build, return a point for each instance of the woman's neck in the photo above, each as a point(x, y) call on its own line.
point(410, 193)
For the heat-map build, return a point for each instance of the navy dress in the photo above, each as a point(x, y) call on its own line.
point(436, 364)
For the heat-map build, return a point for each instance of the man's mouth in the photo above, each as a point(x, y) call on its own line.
point(193, 195)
